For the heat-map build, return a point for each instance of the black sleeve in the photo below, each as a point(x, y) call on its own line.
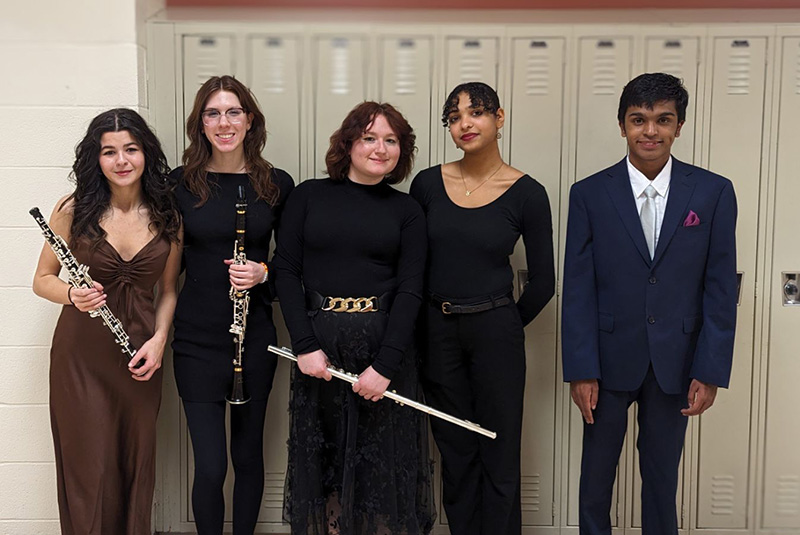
point(288, 263)
point(408, 296)
point(286, 185)
point(537, 234)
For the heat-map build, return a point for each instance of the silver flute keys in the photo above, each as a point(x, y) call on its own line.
point(79, 278)
point(397, 398)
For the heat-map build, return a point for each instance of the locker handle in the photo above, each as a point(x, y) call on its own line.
point(538, 44)
point(406, 43)
point(605, 44)
point(791, 292)
point(739, 277)
point(339, 42)
point(274, 42)
point(740, 43)
point(672, 44)
point(472, 44)
point(207, 41)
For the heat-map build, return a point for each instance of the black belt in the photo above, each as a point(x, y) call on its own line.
point(317, 301)
point(448, 307)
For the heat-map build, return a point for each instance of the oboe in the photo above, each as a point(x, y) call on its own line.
point(241, 302)
point(79, 278)
point(394, 396)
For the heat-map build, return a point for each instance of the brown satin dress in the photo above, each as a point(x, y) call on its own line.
point(104, 422)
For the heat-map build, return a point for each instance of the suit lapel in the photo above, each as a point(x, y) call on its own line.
point(681, 187)
point(619, 189)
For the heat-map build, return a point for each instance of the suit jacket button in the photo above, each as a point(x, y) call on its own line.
point(652, 280)
point(651, 320)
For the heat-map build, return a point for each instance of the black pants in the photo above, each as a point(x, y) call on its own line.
point(207, 428)
point(474, 368)
point(662, 429)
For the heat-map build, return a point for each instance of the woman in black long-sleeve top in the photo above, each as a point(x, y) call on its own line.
point(355, 467)
point(473, 350)
point(227, 133)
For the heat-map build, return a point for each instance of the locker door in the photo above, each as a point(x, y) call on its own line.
point(468, 60)
point(339, 84)
point(534, 131)
point(274, 77)
point(407, 83)
point(735, 141)
point(204, 56)
point(678, 57)
point(604, 67)
point(782, 433)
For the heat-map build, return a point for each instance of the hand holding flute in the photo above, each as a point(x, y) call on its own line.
point(401, 400)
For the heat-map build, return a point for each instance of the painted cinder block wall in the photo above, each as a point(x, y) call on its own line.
point(61, 63)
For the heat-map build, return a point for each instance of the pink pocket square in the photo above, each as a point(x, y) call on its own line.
point(691, 220)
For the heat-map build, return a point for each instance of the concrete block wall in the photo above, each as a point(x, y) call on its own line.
point(61, 63)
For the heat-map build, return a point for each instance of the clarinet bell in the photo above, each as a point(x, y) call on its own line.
point(238, 394)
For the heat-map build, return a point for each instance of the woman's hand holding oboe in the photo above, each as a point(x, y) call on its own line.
point(87, 299)
point(152, 353)
point(245, 276)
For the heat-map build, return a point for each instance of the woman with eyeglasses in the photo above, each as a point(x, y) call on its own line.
point(227, 133)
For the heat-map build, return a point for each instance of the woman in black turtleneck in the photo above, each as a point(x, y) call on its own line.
point(474, 354)
point(355, 466)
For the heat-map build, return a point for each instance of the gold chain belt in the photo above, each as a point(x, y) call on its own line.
point(350, 304)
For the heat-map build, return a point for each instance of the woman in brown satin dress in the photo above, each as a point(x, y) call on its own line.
point(123, 223)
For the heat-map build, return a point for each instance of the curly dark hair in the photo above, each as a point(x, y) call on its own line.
point(92, 195)
point(649, 88)
point(198, 153)
point(353, 127)
point(480, 96)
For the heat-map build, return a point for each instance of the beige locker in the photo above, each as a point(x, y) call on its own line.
point(604, 67)
point(406, 81)
point(470, 59)
point(339, 79)
point(534, 135)
point(734, 137)
point(274, 75)
point(678, 56)
point(781, 499)
point(204, 56)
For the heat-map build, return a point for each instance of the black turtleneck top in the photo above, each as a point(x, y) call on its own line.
point(344, 239)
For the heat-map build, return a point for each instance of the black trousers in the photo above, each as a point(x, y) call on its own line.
point(206, 423)
point(662, 429)
point(474, 368)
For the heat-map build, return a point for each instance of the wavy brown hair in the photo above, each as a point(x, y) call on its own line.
point(92, 195)
point(353, 127)
point(198, 153)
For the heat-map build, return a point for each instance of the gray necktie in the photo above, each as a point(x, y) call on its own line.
point(648, 217)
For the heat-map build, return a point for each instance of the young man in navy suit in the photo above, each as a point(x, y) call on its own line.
point(649, 303)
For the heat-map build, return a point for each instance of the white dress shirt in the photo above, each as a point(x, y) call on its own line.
point(639, 183)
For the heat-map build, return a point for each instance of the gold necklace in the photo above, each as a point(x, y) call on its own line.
point(468, 191)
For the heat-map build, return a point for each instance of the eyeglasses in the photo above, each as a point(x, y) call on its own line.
point(212, 117)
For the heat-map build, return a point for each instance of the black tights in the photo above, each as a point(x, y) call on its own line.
point(207, 428)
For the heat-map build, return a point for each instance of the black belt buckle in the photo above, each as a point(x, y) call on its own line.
point(446, 307)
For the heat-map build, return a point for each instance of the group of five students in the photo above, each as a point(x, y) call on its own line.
point(431, 270)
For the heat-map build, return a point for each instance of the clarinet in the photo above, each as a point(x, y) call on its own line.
point(79, 278)
point(241, 303)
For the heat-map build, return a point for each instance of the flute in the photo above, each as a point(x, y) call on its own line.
point(79, 278)
point(394, 396)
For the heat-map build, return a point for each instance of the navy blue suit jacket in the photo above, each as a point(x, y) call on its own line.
point(622, 310)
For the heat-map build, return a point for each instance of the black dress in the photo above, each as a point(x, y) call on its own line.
point(203, 348)
point(343, 239)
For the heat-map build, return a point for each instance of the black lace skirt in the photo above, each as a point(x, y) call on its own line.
point(361, 466)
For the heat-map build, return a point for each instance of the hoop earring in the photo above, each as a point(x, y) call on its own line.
point(499, 135)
